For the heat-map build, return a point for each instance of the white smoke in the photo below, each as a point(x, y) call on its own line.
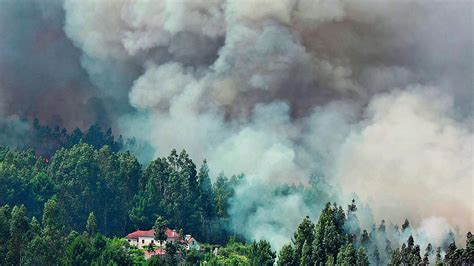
point(373, 95)
point(410, 144)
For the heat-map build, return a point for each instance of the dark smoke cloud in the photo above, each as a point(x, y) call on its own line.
point(40, 71)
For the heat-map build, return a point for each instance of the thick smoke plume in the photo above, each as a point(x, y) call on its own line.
point(376, 96)
point(40, 72)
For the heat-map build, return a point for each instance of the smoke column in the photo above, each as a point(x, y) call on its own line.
point(376, 96)
point(40, 72)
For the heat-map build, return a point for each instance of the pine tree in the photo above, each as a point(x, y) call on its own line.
point(376, 255)
point(364, 239)
point(205, 196)
point(438, 259)
point(53, 227)
point(405, 225)
point(160, 229)
point(222, 191)
point(35, 228)
point(426, 260)
point(352, 222)
point(327, 235)
point(80, 251)
point(468, 255)
point(410, 242)
point(395, 258)
point(416, 256)
point(428, 253)
point(330, 261)
point(4, 232)
point(362, 259)
point(429, 249)
point(91, 225)
point(352, 207)
point(404, 254)
point(19, 227)
point(339, 217)
point(448, 257)
point(36, 252)
point(303, 234)
point(350, 256)
point(382, 226)
point(205, 200)
point(261, 254)
point(340, 256)
point(285, 257)
point(306, 254)
point(52, 219)
point(332, 240)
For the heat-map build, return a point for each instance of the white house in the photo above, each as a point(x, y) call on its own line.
point(142, 239)
point(191, 243)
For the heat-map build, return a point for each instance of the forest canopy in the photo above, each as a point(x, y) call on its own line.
point(86, 183)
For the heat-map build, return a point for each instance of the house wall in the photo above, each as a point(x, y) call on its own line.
point(133, 242)
point(193, 245)
point(143, 242)
point(171, 240)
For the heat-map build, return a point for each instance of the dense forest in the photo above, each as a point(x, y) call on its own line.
point(69, 199)
point(336, 239)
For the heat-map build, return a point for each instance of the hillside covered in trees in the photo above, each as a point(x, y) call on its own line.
point(74, 204)
point(85, 173)
point(247, 132)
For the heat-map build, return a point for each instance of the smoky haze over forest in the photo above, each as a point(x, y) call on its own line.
point(374, 96)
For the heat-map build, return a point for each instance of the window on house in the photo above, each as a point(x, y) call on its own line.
point(143, 241)
point(152, 241)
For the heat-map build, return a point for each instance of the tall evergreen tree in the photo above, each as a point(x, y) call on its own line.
point(416, 255)
point(350, 256)
point(53, 229)
point(306, 254)
point(382, 227)
point(35, 228)
point(91, 225)
point(36, 252)
point(261, 254)
point(303, 234)
point(405, 225)
point(395, 258)
point(362, 259)
point(160, 229)
point(452, 257)
point(438, 259)
point(469, 251)
point(222, 193)
point(285, 256)
point(340, 256)
point(426, 259)
point(206, 203)
point(4, 232)
point(19, 227)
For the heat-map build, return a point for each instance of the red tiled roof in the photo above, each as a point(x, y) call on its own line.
point(150, 233)
point(140, 233)
point(171, 234)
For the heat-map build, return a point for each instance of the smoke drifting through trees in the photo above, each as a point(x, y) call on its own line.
point(374, 96)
